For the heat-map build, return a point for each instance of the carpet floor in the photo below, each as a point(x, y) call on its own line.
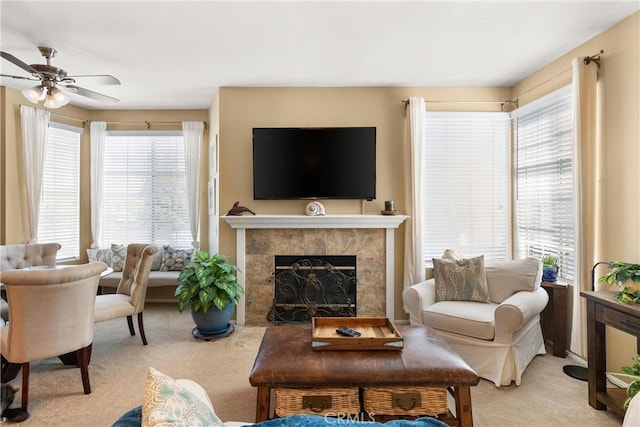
point(546, 397)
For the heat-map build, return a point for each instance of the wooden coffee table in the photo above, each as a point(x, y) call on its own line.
point(286, 360)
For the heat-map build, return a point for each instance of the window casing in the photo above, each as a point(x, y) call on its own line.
point(466, 184)
point(543, 176)
point(144, 190)
point(59, 219)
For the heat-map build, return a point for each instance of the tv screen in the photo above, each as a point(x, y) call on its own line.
point(314, 163)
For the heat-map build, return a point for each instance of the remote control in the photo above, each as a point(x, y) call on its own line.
point(348, 332)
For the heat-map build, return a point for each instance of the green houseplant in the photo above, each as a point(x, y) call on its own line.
point(209, 286)
point(549, 268)
point(627, 277)
point(633, 373)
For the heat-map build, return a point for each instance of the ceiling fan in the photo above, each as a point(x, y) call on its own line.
point(52, 79)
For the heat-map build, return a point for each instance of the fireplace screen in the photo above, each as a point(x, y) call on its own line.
point(313, 286)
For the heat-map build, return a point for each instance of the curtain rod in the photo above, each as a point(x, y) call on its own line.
point(406, 101)
point(147, 122)
point(587, 60)
point(502, 103)
point(60, 115)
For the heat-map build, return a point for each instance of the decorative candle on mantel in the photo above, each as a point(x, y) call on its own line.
point(389, 206)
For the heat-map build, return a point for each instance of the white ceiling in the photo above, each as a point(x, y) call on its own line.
point(176, 54)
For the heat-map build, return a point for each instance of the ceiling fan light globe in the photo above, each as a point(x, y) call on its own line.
point(56, 98)
point(35, 94)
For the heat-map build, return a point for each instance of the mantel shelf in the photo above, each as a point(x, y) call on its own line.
point(304, 221)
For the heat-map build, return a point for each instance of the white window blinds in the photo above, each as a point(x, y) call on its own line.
point(59, 219)
point(544, 211)
point(144, 190)
point(466, 167)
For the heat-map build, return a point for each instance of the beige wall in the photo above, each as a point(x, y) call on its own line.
point(241, 109)
point(618, 174)
point(14, 207)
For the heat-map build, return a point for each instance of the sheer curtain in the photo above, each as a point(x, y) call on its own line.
point(35, 129)
point(414, 228)
point(584, 122)
point(192, 141)
point(98, 131)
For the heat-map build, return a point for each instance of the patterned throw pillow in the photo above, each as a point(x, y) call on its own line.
point(118, 255)
point(167, 403)
point(98, 254)
point(461, 279)
point(174, 259)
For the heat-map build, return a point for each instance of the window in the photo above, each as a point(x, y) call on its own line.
point(544, 211)
point(59, 219)
point(145, 190)
point(466, 168)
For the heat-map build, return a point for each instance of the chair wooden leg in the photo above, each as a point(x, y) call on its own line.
point(141, 329)
point(130, 323)
point(83, 363)
point(25, 386)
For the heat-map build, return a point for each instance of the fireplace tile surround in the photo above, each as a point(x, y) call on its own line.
point(259, 238)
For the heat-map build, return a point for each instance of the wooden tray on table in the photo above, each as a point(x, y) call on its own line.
point(378, 333)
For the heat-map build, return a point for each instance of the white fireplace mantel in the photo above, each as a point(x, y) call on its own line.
point(321, 221)
point(388, 222)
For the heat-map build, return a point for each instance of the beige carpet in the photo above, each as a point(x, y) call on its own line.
point(119, 365)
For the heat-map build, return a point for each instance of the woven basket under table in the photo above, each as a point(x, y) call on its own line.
point(433, 401)
point(289, 401)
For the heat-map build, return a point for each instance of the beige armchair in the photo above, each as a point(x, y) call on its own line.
point(497, 339)
point(27, 255)
point(51, 313)
point(24, 255)
point(131, 292)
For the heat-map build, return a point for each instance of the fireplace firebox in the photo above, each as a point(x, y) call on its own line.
point(313, 286)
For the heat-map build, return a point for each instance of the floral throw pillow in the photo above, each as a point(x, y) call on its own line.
point(461, 279)
point(174, 259)
point(118, 256)
point(167, 403)
point(98, 254)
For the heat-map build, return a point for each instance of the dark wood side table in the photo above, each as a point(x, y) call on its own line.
point(554, 318)
point(604, 309)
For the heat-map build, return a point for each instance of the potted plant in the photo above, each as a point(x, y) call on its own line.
point(627, 277)
point(549, 268)
point(209, 286)
point(632, 372)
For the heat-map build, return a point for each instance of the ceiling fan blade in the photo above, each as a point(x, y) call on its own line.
point(90, 94)
point(102, 79)
point(18, 77)
point(18, 62)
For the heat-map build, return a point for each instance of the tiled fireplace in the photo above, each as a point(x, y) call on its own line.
point(370, 238)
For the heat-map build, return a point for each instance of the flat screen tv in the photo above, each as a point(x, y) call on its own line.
point(314, 163)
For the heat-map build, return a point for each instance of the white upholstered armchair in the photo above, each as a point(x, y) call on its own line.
point(498, 339)
point(51, 314)
point(23, 255)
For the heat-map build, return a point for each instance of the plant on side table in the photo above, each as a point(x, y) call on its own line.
point(627, 277)
point(632, 372)
point(549, 268)
point(209, 286)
